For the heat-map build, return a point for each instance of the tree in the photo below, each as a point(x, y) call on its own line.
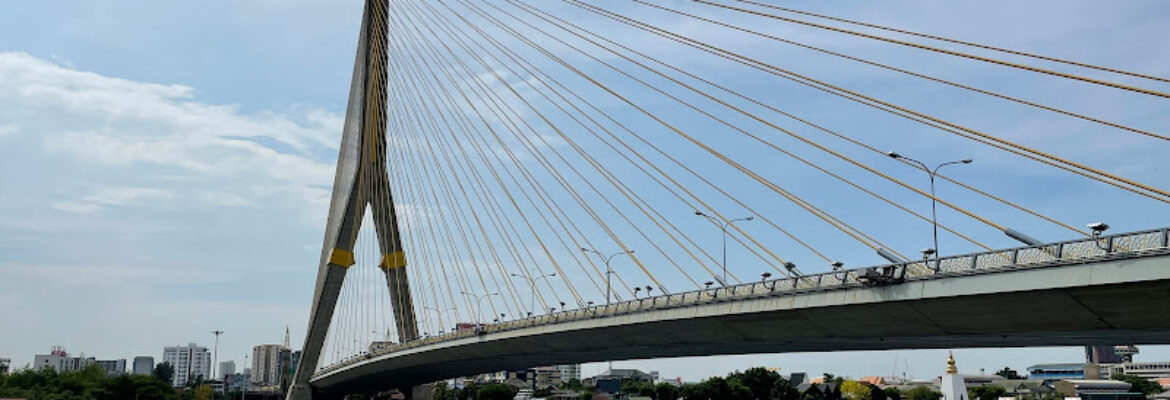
point(717, 388)
point(441, 391)
point(495, 391)
point(1139, 384)
point(586, 393)
point(164, 371)
point(833, 380)
point(634, 388)
point(921, 393)
point(892, 393)
point(572, 384)
point(1008, 373)
point(758, 380)
point(854, 390)
point(986, 392)
point(543, 392)
point(782, 389)
point(665, 391)
point(202, 392)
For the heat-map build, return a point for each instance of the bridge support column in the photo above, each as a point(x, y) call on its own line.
point(361, 181)
point(421, 392)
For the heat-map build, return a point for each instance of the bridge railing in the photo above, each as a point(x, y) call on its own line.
point(1125, 244)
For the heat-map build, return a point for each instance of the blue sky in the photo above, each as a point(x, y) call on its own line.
point(167, 166)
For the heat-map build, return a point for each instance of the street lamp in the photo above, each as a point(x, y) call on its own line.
point(216, 332)
point(437, 312)
point(608, 269)
point(723, 225)
point(479, 307)
point(532, 281)
point(933, 199)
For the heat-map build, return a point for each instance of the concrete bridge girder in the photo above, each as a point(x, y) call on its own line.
point(1105, 301)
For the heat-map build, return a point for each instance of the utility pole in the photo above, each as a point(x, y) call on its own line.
point(215, 355)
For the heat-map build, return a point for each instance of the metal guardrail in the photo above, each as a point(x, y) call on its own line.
point(1021, 257)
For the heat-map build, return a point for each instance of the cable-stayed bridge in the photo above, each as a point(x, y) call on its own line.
point(541, 169)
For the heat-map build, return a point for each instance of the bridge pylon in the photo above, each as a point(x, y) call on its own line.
point(361, 181)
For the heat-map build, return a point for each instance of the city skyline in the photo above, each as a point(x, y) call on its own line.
point(187, 172)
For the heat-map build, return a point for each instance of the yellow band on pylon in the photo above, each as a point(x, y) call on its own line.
point(341, 257)
point(393, 260)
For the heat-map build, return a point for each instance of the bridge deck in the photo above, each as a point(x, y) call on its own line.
point(1067, 293)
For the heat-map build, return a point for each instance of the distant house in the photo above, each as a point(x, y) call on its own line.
point(1093, 388)
point(1054, 372)
point(1019, 388)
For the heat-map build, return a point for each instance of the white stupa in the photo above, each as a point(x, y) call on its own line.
point(953, 387)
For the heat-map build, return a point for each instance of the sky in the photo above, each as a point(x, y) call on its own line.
point(166, 166)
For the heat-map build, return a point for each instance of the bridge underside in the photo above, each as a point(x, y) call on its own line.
point(1116, 301)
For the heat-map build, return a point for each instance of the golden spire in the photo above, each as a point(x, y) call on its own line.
point(951, 368)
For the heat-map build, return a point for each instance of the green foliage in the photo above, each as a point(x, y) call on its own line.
point(586, 393)
point(1139, 384)
point(495, 391)
point(717, 388)
point(572, 384)
point(1009, 373)
point(921, 393)
point(542, 392)
point(1052, 396)
point(666, 391)
point(88, 384)
point(854, 390)
point(202, 392)
point(892, 393)
point(164, 371)
point(835, 380)
point(782, 389)
point(632, 388)
point(985, 392)
point(758, 380)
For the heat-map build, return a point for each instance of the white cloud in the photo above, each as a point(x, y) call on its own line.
point(143, 131)
point(225, 199)
point(114, 196)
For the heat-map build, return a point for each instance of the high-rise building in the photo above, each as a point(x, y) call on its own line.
point(4, 365)
point(59, 360)
point(1126, 352)
point(191, 362)
point(113, 367)
point(143, 365)
point(1097, 354)
point(227, 368)
point(268, 361)
point(570, 372)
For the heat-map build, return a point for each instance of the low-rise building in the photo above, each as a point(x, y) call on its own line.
point(1024, 388)
point(570, 372)
point(1054, 372)
point(59, 360)
point(1081, 387)
point(1148, 370)
point(5, 364)
point(547, 377)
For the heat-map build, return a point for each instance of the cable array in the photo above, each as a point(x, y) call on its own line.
point(535, 157)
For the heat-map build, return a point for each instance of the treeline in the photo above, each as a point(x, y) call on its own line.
point(92, 383)
point(761, 384)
